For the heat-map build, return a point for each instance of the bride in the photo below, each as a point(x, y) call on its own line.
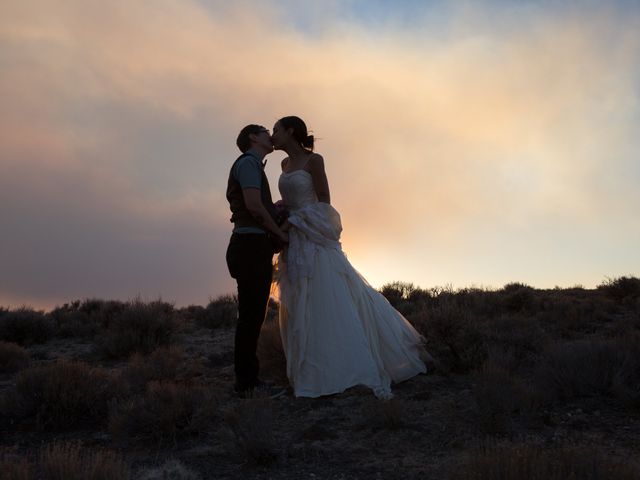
point(337, 331)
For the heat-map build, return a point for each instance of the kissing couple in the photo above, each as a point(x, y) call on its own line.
point(337, 331)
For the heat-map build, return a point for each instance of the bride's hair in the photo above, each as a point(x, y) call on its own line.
point(299, 131)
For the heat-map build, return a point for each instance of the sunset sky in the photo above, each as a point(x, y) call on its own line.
point(466, 143)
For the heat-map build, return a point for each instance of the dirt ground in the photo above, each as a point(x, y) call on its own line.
point(428, 431)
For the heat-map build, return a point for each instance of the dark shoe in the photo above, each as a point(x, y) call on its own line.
point(244, 393)
point(268, 390)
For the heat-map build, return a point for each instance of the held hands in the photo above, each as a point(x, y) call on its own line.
point(285, 226)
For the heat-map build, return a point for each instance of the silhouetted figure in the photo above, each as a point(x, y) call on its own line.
point(251, 248)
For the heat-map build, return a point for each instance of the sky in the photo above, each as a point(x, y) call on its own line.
point(469, 144)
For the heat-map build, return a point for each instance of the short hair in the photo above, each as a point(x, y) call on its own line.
point(243, 141)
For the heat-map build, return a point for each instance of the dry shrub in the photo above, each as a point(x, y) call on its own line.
point(170, 470)
point(569, 316)
point(15, 467)
point(101, 311)
point(530, 462)
point(591, 367)
point(63, 395)
point(141, 327)
point(461, 342)
point(516, 297)
point(402, 296)
point(273, 362)
point(12, 357)
point(167, 411)
point(25, 326)
point(72, 322)
point(621, 288)
point(162, 364)
point(220, 312)
point(69, 461)
point(513, 337)
point(251, 426)
point(498, 394)
point(454, 338)
point(626, 381)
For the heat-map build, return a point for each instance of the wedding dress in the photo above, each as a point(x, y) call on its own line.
point(337, 331)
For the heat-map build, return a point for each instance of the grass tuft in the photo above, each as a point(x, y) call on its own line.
point(12, 357)
point(220, 312)
point(141, 327)
point(63, 395)
point(251, 424)
point(164, 363)
point(70, 461)
point(609, 367)
point(167, 412)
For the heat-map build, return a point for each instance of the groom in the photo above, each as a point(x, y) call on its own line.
point(250, 251)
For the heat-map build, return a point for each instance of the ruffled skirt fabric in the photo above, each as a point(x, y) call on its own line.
point(337, 331)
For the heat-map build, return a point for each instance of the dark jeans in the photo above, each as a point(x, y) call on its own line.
point(249, 258)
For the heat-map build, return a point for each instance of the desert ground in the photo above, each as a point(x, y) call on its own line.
point(522, 383)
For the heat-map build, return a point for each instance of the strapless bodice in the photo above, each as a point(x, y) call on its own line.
point(296, 189)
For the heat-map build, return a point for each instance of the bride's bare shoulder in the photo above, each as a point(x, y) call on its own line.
point(315, 159)
point(283, 163)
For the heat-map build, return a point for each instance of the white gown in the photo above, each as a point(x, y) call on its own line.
point(337, 331)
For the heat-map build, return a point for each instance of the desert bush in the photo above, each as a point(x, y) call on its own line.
point(517, 297)
point(395, 291)
point(499, 394)
point(75, 324)
point(401, 295)
point(63, 395)
point(251, 425)
point(591, 367)
point(141, 327)
point(164, 363)
point(72, 322)
point(70, 461)
point(86, 318)
point(12, 357)
point(170, 470)
point(273, 362)
point(25, 326)
point(478, 302)
point(626, 381)
point(220, 312)
point(168, 411)
point(515, 336)
point(104, 309)
point(455, 339)
point(530, 462)
point(621, 288)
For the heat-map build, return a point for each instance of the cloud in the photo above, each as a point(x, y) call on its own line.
point(445, 136)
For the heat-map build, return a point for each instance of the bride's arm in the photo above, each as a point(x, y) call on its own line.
point(320, 182)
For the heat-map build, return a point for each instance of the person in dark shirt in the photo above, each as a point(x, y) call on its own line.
point(249, 256)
